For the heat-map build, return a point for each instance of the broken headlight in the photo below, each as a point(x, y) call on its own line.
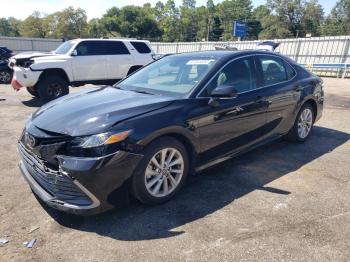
point(96, 145)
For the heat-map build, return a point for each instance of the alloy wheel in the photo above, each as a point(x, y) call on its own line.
point(305, 123)
point(54, 90)
point(164, 172)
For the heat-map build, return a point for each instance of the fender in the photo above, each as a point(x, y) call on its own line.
point(53, 63)
point(177, 132)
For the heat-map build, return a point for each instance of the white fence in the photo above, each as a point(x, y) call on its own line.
point(328, 56)
point(324, 55)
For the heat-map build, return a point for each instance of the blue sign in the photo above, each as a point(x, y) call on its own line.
point(239, 28)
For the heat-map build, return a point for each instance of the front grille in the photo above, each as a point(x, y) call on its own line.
point(61, 187)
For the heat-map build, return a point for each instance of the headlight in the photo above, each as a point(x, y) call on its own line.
point(102, 139)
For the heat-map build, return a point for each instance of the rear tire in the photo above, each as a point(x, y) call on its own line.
point(5, 76)
point(162, 172)
point(52, 87)
point(33, 91)
point(303, 124)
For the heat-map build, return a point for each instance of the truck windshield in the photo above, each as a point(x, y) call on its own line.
point(64, 48)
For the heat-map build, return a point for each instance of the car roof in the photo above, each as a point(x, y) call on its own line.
point(108, 39)
point(229, 54)
point(217, 53)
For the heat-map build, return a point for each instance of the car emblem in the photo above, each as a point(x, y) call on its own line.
point(29, 140)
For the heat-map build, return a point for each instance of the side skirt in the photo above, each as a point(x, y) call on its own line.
point(236, 153)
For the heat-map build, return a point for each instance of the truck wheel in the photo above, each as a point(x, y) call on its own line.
point(33, 91)
point(52, 87)
point(5, 76)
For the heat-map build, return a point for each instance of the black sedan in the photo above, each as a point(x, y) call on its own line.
point(87, 152)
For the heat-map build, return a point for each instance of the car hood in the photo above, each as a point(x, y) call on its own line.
point(38, 57)
point(94, 111)
point(28, 55)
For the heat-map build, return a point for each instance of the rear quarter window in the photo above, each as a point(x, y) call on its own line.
point(141, 47)
point(289, 70)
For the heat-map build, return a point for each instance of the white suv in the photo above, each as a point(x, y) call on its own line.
point(78, 62)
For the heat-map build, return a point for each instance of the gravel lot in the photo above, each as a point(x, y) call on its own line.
point(280, 202)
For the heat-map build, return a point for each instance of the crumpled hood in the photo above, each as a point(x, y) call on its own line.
point(38, 57)
point(94, 111)
point(28, 55)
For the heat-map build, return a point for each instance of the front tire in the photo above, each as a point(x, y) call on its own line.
point(303, 124)
point(52, 87)
point(162, 172)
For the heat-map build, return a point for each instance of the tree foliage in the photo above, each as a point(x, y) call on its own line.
point(167, 22)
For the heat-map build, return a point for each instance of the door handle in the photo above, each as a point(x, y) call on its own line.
point(230, 113)
point(262, 101)
point(298, 88)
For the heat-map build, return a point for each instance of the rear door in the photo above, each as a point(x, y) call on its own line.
point(119, 59)
point(90, 62)
point(280, 90)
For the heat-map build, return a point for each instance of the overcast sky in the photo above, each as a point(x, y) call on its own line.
point(94, 8)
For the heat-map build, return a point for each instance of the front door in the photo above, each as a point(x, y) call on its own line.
point(235, 122)
point(281, 91)
point(89, 63)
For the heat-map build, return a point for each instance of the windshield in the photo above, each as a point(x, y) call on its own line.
point(64, 48)
point(171, 75)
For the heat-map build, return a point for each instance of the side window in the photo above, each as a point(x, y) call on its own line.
point(90, 48)
point(239, 73)
point(290, 71)
point(273, 70)
point(115, 48)
point(141, 47)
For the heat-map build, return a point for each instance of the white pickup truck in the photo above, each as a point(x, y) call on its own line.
point(78, 62)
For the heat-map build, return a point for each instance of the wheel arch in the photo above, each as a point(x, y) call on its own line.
point(313, 104)
point(134, 68)
point(192, 147)
point(55, 71)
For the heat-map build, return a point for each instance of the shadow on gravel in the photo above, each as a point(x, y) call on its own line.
point(210, 191)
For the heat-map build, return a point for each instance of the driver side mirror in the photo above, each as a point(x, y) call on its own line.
point(74, 53)
point(224, 91)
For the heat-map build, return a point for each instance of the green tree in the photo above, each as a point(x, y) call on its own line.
point(169, 21)
point(9, 27)
point(129, 21)
point(338, 22)
point(97, 29)
point(271, 26)
point(288, 11)
point(189, 20)
point(230, 10)
point(72, 23)
point(312, 18)
point(34, 25)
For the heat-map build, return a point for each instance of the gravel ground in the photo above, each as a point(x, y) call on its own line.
point(281, 202)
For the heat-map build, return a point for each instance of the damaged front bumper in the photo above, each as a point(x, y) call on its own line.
point(24, 77)
point(81, 186)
